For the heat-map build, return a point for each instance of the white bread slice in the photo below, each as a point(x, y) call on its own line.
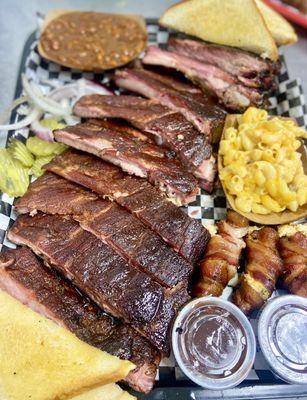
point(236, 23)
point(105, 392)
point(282, 32)
point(40, 360)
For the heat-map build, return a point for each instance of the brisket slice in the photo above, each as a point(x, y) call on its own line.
point(171, 129)
point(249, 69)
point(186, 235)
point(115, 226)
point(198, 108)
point(225, 86)
point(24, 277)
point(134, 156)
point(102, 275)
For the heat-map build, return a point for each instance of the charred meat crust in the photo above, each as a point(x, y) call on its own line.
point(115, 226)
point(134, 156)
point(170, 128)
point(184, 234)
point(24, 277)
point(198, 108)
point(102, 275)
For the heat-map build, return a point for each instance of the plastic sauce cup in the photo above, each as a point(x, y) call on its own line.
point(213, 343)
point(282, 334)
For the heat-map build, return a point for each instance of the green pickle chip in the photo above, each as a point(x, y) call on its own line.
point(14, 178)
point(20, 152)
point(42, 148)
point(37, 169)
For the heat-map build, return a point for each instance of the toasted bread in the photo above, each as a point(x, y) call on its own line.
point(105, 392)
point(40, 360)
point(236, 23)
point(282, 32)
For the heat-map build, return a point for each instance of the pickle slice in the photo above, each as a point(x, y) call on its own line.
point(42, 148)
point(20, 152)
point(14, 178)
point(51, 123)
point(36, 169)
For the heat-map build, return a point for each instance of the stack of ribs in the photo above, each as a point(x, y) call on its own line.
point(172, 129)
point(128, 250)
point(237, 78)
point(24, 277)
point(134, 155)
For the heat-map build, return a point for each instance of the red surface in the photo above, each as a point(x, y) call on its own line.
point(288, 12)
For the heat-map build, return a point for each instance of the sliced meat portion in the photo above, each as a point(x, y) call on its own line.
point(101, 274)
point(225, 86)
point(115, 226)
point(24, 277)
point(247, 68)
point(184, 234)
point(171, 129)
point(198, 108)
point(134, 156)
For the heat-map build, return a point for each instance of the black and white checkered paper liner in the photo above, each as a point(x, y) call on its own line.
point(288, 101)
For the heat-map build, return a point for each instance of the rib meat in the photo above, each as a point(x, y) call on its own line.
point(247, 68)
point(172, 129)
point(225, 86)
point(101, 274)
point(184, 234)
point(134, 156)
point(198, 108)
point(115, 226)
point(24, 277)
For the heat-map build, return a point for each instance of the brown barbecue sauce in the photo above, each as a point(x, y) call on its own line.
point(213, 342)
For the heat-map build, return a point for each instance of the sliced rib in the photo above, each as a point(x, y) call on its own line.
point(232, 94)
point(171, 129)
point(249, 69)
point(24, 277)
point(134, 156)
point(115, 226)
point(186, 235)
point(101, 274)
point(198, 108)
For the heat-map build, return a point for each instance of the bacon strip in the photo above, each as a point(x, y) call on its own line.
point(221, 260)
point(293, 251)
point(263, 269)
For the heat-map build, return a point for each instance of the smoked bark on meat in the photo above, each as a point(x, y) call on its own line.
point(170, 128)
point(135, 156)
point(184, 234)
point(24, 277)
point(115, 226)
point(102, 274)
point(197, 107)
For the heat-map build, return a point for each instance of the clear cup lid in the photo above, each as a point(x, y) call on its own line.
point(213, 343)
point(282, 334)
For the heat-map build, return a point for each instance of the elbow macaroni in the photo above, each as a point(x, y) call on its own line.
point(260, 165)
